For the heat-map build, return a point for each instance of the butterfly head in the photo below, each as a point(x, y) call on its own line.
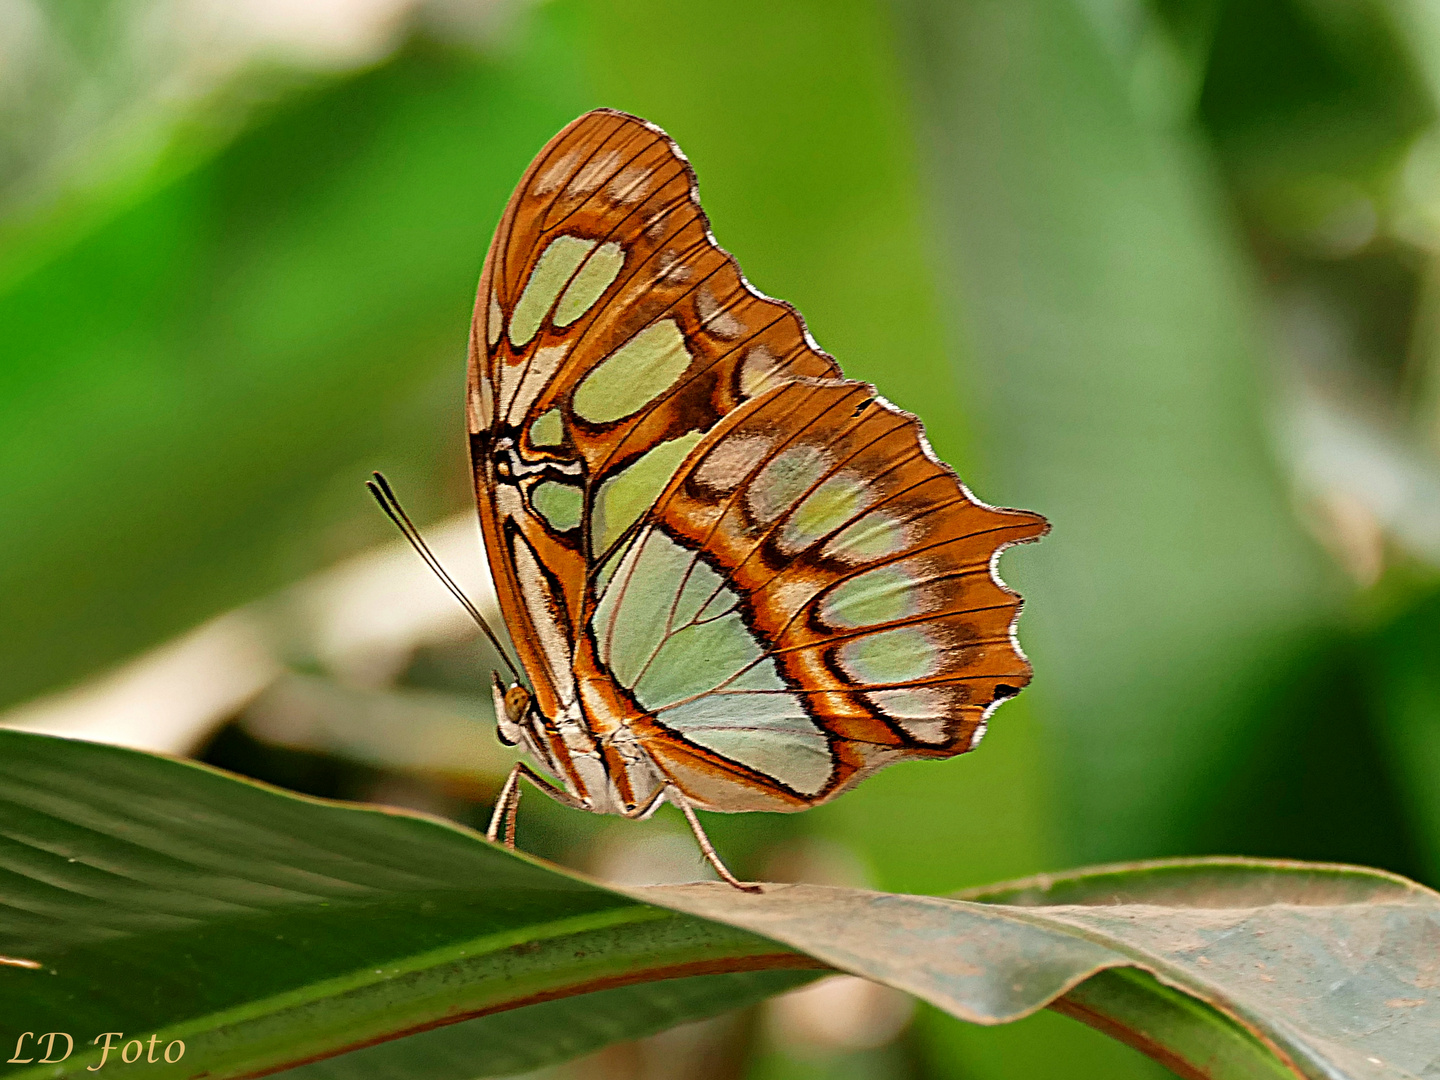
point(512, 709)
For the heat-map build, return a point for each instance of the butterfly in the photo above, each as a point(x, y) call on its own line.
point(735, 579)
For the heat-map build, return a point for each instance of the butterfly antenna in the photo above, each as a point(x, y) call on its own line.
point(385, 496)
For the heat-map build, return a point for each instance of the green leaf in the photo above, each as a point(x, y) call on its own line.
point(165, 898)
point(1182, 1031)
point(1188, 1036)
point(264, 929)
point(1331, 967)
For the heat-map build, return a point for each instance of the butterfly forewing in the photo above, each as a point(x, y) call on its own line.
point(723, 566)
point(609, 328)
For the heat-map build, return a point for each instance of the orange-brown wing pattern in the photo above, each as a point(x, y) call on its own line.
point(813, 597)
point(610, 332)
point(724, 567)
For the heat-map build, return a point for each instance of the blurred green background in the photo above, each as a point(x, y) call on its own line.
point(1165, 272)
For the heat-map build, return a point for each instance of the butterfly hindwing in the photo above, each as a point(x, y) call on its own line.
point(815, 597)
point(724, 566)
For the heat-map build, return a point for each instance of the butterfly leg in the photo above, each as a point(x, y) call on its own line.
point(706, 848)
point(508, 801)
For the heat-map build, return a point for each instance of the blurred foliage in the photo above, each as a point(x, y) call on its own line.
point(1165, 272)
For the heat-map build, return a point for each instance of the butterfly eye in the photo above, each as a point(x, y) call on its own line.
point(517, 703)
point(510, 708)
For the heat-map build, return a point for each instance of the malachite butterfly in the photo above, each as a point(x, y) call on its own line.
point(735, 579)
